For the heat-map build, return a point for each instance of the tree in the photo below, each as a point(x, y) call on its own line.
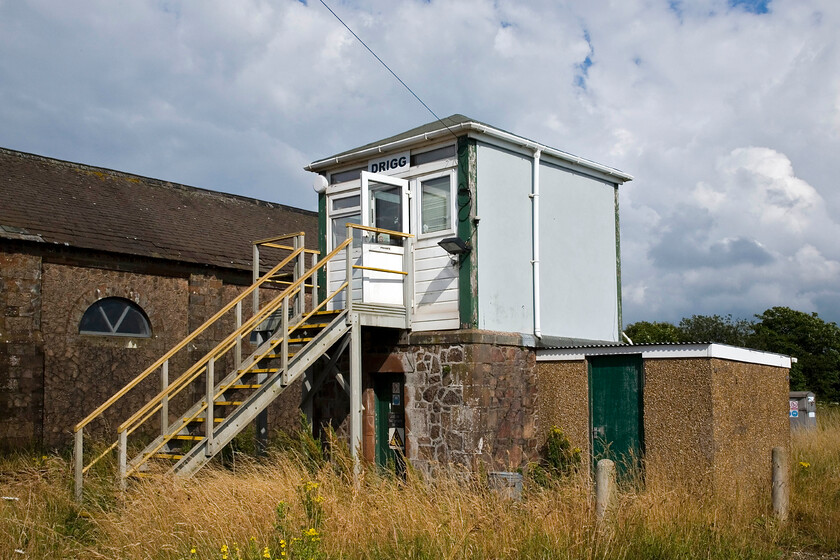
point(813, 342)
point(644, 332)
point(714, 328)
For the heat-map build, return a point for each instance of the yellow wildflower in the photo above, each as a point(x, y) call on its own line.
point(223, 549)
point(266, 553)
point(804, 464)
point(192, 550)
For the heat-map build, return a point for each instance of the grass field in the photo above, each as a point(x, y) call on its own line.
point(300, 505)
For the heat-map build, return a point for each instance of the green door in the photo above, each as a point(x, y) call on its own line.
point(615, 405)
point(390, 421)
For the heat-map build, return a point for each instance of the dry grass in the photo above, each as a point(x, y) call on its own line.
point(452, 515)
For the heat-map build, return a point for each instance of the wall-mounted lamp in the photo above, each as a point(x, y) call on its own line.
point(320, 184)
point(455, 246)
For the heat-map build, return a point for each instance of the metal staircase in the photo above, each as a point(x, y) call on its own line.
point(297, 330)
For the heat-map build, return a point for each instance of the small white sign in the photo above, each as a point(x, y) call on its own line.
point(794, 405)
point(390, 165)
point(794, 414)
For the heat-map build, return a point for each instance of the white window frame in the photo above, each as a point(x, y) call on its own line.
point(333, 214)
point(418, 195)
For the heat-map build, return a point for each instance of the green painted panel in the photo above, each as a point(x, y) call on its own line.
point(467, 204)
point(615, 405)
point(390, 421)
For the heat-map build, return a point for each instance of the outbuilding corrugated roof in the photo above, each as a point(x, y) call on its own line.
point(53, 201)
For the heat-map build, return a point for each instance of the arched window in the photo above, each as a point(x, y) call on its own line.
point(115, 316)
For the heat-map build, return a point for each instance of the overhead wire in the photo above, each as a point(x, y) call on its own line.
point(417, 97)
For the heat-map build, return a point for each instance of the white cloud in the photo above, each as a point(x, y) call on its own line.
point(729, 120)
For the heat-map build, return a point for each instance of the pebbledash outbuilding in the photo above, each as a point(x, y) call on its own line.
point(465, 298)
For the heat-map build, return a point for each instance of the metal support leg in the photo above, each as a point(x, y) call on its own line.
point(210, 416)
point(237, 352)
point(164, 402)
point(123, 460)
point(356, 391)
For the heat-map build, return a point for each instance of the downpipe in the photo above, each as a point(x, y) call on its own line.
point(535, 240)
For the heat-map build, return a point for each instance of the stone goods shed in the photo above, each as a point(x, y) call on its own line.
point(704, 416)
point(76, 239)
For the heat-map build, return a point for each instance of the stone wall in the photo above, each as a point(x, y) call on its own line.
point(21, 351)
point(471, 396)
point(52, 376)
point(83, 371)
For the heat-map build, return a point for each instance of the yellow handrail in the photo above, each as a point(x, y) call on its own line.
point(288, 248)
point(219, 350)
point(133, 383)
point(263, 313)
point(277, 238)
point(373, 268)
point(168, 437)
point(380, 230)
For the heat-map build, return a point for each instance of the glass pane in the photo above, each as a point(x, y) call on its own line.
point(339, 228)
point(94, 322)
point(386, 208)
point(446, 152)
point(345, 176)
point(115, 316)
point(346, 202)
point(435, 204)
point(113, 308)
point(134, 323)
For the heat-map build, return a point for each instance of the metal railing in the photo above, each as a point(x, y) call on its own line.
point(292, 306)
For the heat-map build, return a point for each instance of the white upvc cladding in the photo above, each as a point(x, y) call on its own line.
point(435, 303)
point(505, 283)
point(578, 262)
point(435, 273)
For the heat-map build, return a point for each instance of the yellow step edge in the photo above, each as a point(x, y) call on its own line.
point(227, 403)
point(185, 437)
point(306, 326)
point(216, 420)
point(278, 356)
point(174, 456)
point(243, 386)
point(297, 340)
point(138, 474)
point(263, 370)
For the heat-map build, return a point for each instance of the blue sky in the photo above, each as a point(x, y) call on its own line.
point(727, 113)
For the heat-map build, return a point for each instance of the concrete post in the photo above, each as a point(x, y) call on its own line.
point(79, 462)
point(604, 487)
point(781, 484)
